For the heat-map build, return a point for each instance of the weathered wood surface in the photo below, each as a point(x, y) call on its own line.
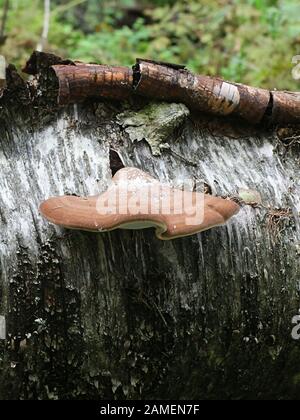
point(78, 81)
point(122, 314)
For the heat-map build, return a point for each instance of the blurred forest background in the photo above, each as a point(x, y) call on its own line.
point(250, 41)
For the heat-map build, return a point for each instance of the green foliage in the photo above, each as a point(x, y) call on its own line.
point(250, 41)
point(121, 46)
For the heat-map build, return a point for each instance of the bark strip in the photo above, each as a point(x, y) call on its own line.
point(203, 93)
point(286, 108)
point(169, 82)
point(76, 83)
point(40, 62)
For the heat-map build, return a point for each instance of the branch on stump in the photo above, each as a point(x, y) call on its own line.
point(81, 81)
point(169, 82)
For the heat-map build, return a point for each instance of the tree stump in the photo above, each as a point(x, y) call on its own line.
point(121, 314)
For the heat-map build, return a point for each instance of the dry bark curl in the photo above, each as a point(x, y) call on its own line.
point(169, 82)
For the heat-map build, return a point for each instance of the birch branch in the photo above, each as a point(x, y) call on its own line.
point(168, 82)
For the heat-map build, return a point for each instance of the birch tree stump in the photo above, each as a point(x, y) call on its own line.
point(122, 314)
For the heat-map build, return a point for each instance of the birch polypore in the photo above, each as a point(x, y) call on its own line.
point(135, 200)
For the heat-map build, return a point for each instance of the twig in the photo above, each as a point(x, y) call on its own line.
point(172, 83)
point(46, 25)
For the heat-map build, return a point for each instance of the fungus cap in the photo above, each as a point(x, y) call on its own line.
point(135, 200)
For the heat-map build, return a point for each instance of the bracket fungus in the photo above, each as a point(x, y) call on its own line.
point(135, 200)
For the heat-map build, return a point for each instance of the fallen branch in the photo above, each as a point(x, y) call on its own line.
point(201, 93)
point(81, 81)
point(173, 83)
point(286, 108)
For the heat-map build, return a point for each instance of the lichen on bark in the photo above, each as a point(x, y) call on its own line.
point(155, 123)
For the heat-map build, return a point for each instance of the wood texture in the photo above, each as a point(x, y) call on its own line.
point(286, 108)
point(169, 82)
point(202, 93)
point(81, 81)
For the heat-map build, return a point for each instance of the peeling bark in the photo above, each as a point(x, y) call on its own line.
point(76, 83)
point(201, 93)
point(121, 314)
point(40, 61)
point(286, 107)
point(162, 81)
